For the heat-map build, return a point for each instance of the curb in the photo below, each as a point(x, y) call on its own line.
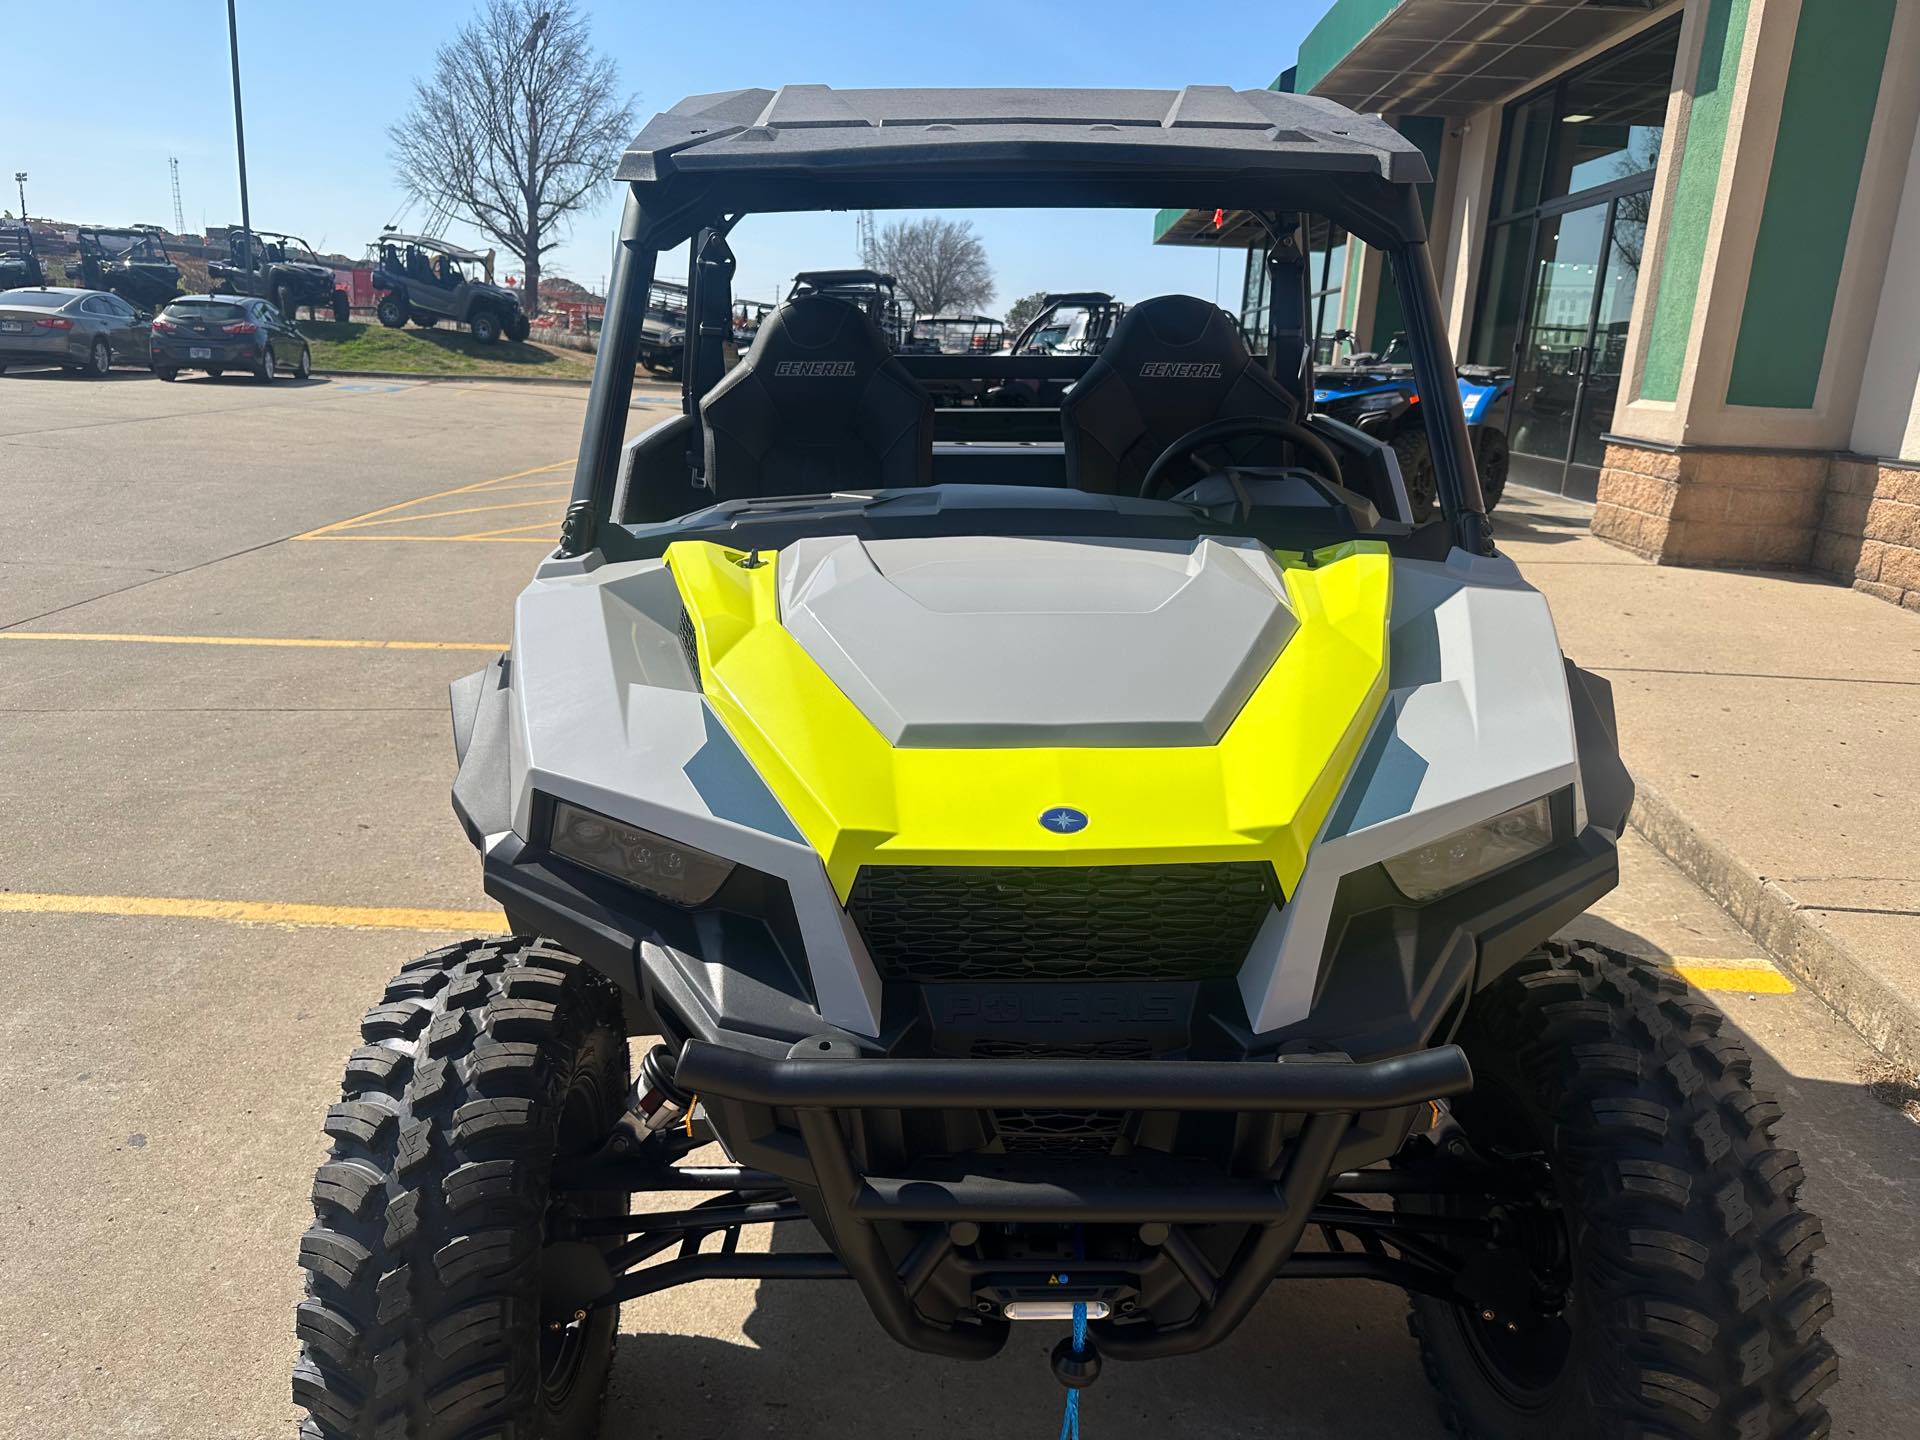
point(1824, 964)
point(440, 379)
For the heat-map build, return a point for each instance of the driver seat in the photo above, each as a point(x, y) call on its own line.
point(1172, 364)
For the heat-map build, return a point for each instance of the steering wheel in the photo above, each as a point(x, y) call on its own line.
point(1235, 428)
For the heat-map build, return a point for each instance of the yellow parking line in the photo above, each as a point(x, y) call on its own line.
point(552, 538)
point(272, 641)
point(1749, 977)
point(257, 912)
point(442, 514)
point(437, 495)
point(544, 526)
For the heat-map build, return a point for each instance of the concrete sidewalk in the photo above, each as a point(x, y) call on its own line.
point(1772, 724)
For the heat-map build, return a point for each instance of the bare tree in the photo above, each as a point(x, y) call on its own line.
point(1024, 309)
point(940, 264)
point(517, 128)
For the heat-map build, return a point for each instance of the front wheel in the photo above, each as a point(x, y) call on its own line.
point(1416, 470)
point(392, 310)
point(486, 327)
point(342, 311)
point(440, 1300)
point(1654, 1275)
point(1490, 449)
point(304, 370)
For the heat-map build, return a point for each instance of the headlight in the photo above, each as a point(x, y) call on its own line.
point(639, 858)
point(1473, 854)
point(1385, 400)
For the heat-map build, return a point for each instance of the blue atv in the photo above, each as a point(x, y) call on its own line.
point(1378, 394)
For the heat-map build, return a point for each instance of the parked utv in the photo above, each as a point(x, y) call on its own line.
point(269, 265)
point(19, 261)
point(873, 292)
point(427, 281)
point(663, 336)
point(133, 264)
point(1380, 394)
point(1061, 873)
point(1075, 322)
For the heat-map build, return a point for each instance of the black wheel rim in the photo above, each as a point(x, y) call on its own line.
point(1527, 1357)
point(570, 1333)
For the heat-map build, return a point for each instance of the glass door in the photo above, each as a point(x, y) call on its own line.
point(1553, 351)
point(1607, 345)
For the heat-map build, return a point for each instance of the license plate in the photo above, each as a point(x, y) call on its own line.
point(12, 327)
point(199, 352)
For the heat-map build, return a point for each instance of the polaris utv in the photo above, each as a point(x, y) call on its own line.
point(1063, 874)
point(421, 279)
point(269, 265)
point(19, 262)
point(133, 264)
point(1380, 393)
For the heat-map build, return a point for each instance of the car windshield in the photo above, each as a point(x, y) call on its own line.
point(204, 310)
point(34, 299)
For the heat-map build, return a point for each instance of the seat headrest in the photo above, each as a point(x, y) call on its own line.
point(1158, 338)
point(817, 337)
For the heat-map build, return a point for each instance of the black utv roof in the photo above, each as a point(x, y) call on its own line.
point(809, 147)
point(834, 279)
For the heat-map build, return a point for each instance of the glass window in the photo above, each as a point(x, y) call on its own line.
point(1327, 274)
point(1253, 301)
point(1611, 120)
point(1504, 295)
point(204, 310)
point(1524, 155)
point(37, 299)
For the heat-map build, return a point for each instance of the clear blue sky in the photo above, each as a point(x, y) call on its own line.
point(323, 81)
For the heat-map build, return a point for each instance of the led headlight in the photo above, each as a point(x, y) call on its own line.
point(639, 858)
point(1385, 400)
point(1475, 853)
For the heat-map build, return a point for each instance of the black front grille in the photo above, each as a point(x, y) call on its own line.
point(1093, 922)
point(1060, 1132)
point(690, 646)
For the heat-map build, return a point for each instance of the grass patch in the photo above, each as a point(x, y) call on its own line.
point(342, 349)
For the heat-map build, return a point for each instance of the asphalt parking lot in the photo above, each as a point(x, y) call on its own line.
point(228, 616)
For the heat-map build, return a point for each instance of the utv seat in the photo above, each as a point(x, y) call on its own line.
point(818, 403)
point(1172, 364)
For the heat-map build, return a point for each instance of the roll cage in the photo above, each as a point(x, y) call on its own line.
point(696, 170)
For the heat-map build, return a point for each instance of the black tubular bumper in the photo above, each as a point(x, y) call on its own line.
point(822, 1081)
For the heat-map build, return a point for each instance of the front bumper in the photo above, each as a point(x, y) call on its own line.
point(1186, 1246)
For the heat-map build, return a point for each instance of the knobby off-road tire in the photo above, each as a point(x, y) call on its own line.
point(1693, 1311)
point(1416, 469)
point(1490, 448)
point(435, 1309)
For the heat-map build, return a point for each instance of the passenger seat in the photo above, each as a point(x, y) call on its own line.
point(819, 403)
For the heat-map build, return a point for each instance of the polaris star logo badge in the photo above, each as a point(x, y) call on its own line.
point(814, 369)
point(1180, 370)
point(1064, 820)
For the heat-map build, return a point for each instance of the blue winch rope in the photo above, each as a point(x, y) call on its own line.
point(1070, 1420)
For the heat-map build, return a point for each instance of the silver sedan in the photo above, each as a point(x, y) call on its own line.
point(88, 331)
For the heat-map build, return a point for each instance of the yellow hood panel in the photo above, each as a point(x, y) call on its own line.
point(1261, 793)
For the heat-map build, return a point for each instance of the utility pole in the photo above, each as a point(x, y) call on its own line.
point(239, 126)
point(20, 179)
point(179, 215)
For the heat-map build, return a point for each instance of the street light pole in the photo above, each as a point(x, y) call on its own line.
point(239, 126)
point(20, 179)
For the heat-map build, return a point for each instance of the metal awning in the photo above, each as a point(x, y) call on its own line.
point(1450, 57)
point(1236, 229)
